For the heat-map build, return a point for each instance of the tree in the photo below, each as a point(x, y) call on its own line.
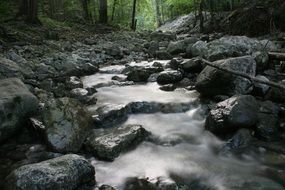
point(29, 10)
point(103, 11)
point(85, 7)
point(133, 24)
point(158, 12)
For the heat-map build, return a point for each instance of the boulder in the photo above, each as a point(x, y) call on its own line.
point(197, 49)
point(168, 77)
point(74, 82)
point(162, 36)
point(192, 65)
point(262, 60)
point(277, 94)
point(232, 114)
point(66, 172)
point(142, 74)
point(109, 115)
point(212, 81)
point(110, 143)
point(67, 124)
point(17, 104)
point(267, 127)
point(9, 69)
point(163, 55)
point(260, 89)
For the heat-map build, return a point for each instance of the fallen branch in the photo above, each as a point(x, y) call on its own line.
point(276, 56)
point(241, 74)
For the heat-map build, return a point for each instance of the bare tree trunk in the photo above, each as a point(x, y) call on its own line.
point(201, 8)
point(103, 11)
point(113, 10)
point(85, 6)
point(29, 10)
point(158, 12)
point(134, 22)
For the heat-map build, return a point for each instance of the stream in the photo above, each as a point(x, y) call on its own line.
point(179, 151)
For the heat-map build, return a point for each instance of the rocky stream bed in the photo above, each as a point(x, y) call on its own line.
point(141, 111)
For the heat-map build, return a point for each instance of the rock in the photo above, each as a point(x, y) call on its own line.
point(261, 59)
point(106, 187)
point(80, 94)
point(113, 50)
point(168, 87)
point(277, 94)
point(211, 81)
point(267, 128)
point(110, 143)
point(162, 36)
point(153, 47)
point(168, 77)
point(176, 47)
point(163, 55)
point(197, 49)
point(142, 74)
point(74, 82)
point(9, 69)
point(192, 65)
point(109, 115)
point(260, 89)
point(150, 184)
point(232, 114)
point(67, 124)
point(173, 64)
point(234, 46)
point(241, 139)
point(66, 172)
point(17, 104)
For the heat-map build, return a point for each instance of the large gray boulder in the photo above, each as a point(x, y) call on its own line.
point(17, 103)
point(63, 173)
point(67, 124)
point(9, 69)
point(110, 143)
point(212, 81)
point(230, 46)
point(142, 74)
point(232, 114)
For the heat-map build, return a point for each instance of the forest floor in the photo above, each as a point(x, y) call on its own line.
point(135, 106)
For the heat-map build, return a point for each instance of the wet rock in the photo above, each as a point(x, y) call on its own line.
point(106, 187)
point(142, 74)
point(153, 47)
point(232, 114)
point(168, 77)
point(241, 139)
point(168, 87)
point(260, 89)
point(80, 94)
point(109, 115)
point(66, 172)
point(9, 69)
point(149, 184)
point(110, 143)
point(192, 65)
point(74, 82)
point(67, 124)
point(17, 104)
point(176, 47)
point(211, 81)
point(267, 128)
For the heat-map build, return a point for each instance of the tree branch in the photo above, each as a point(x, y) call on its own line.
point(241, 74)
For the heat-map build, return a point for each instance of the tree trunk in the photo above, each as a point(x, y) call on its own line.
point(85, 6)
point(201, 8)
point(29, 10)
point(103, 12)
point(158, 12)
point(134, 23)
point(113, 10)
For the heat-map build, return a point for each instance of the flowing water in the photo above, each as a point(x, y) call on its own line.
point(180, 149)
